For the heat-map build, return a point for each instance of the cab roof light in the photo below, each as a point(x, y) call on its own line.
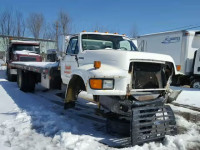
point(178, 67)
point(97, 64)
point(106, 32)
point(96, 31)
point(115, 33)
point(83, 31)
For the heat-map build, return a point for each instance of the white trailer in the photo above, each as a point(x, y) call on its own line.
point(182, 46)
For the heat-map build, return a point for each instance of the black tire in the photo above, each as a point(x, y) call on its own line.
point(26, 81)
point(11, 77)
point(31, 82)
point(22, 80)
point(193, 82)
point(118, 126)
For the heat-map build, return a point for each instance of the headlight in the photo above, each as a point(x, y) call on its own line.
point(102, 84)
point(15, 57)
point(108, 84)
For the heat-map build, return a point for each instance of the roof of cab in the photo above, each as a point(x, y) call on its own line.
point(24, 42)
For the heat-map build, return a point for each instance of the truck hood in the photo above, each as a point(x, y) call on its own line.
point(121, 58)
point(25, 52)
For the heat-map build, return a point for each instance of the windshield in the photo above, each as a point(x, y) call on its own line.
point(97, 42)
point(32, 48)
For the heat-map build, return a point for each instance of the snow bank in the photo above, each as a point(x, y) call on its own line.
point(188, 96)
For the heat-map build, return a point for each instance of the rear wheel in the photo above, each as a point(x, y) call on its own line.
point(10, 77)
point(26, 81)
point(195, 84)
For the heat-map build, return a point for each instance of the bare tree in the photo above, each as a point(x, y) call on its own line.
point(134, 31)
point(19, 24)
point(7, 23)
point(62, 23)
point(35, 24)
point(49, 31)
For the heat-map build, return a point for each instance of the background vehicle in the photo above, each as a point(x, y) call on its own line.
point(21, 51)
point(52, 55)
point(131, 86)
point(182, 46)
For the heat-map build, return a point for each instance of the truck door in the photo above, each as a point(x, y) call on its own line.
point(70, 61)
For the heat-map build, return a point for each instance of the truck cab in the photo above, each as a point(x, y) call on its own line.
point(21, 51)
point(120, 67)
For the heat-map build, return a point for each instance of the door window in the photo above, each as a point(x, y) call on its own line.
point(73, 46)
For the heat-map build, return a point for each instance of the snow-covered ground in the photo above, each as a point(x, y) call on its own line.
point(38, 121)
point(188, 96)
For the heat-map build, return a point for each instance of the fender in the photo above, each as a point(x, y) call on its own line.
point(120, 76)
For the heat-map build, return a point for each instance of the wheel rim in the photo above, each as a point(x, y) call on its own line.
point(196, 85)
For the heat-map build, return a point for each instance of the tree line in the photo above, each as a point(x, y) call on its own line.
point(13, 23)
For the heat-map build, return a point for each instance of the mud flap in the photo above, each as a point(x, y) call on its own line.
point(152, 123)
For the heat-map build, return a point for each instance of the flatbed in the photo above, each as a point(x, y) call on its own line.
point(29, 73)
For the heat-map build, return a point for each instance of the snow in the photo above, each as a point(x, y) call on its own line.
point(25, 42)
point(38, 64)
point(37, 121)
point(26, 52)
point(188, 96)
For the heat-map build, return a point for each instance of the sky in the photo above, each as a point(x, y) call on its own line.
point(145, 16)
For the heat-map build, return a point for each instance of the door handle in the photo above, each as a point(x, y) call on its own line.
point(80, 57)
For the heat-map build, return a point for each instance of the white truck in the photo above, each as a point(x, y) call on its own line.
point(131, 86)
point(182, 46)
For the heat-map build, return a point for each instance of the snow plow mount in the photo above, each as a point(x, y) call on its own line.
point(151, 123)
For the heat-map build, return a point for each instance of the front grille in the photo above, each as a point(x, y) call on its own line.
point(151, 123)
point(27, 59)
point(147, 76)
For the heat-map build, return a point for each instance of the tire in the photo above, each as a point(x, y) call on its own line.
point(118, 126)
point(22, 80)
point(10, 77)
point(195, 84)
point(31, 82)
point(26, 81)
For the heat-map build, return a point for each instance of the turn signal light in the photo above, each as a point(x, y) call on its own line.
point(178, 67)
point(97, 64)
point(96, 83)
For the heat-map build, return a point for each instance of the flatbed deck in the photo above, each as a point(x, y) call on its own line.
point(38, 67)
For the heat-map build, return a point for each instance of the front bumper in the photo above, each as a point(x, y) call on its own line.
point(124, 107)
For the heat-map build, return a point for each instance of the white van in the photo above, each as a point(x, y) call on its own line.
point(181, 45)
